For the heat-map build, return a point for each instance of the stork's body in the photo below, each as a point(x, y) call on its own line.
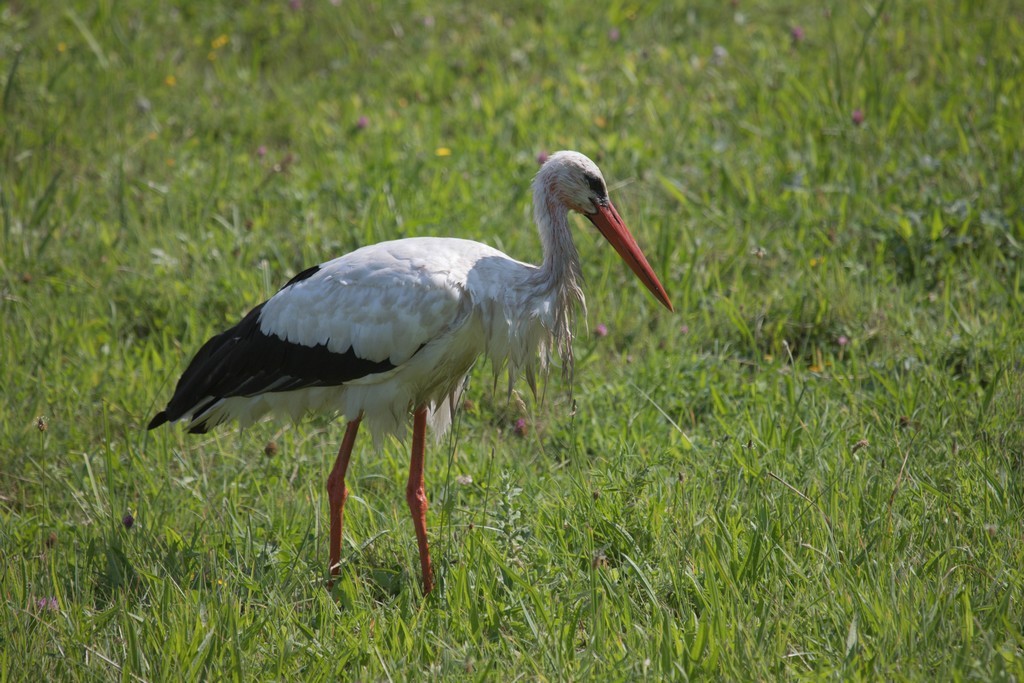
point(386, 327)
point(393, 329)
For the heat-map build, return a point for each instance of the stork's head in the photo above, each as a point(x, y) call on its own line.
point(575, 182)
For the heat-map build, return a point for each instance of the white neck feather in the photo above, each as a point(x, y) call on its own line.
point(559, 278)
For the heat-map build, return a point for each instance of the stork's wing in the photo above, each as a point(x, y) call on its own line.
point(382, 302)
point(362, 314)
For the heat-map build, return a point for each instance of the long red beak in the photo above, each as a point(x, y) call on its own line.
point(607, 220)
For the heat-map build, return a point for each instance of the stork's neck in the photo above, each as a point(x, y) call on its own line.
point(555, 286)
point(560, 270)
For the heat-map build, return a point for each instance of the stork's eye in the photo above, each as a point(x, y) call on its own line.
point(596, 185)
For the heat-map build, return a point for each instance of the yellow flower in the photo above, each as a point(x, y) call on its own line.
point(220, 41)
point(62, 46)
point(600, 122)
point(443, 152)
point(170, 81)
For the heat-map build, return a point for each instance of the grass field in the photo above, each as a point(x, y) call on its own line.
point(814, 469)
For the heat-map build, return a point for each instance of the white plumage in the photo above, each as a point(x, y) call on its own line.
point(393, 328)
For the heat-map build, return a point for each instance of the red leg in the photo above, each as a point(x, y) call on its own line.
point(337, 493)
point(417, 497)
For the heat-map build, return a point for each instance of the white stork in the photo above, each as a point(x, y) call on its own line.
point(395, 327)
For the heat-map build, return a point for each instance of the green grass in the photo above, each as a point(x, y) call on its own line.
point(812, 470)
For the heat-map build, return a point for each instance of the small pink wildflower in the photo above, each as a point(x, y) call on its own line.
point(796, 34)
point(613, 34)
point(843, 340)
point(128, 521)
point(542, 156)
point(261, 151)
point(857, 117)
point(521, 427)
point(601, 330)
point(49, 603)
point(362, 123)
